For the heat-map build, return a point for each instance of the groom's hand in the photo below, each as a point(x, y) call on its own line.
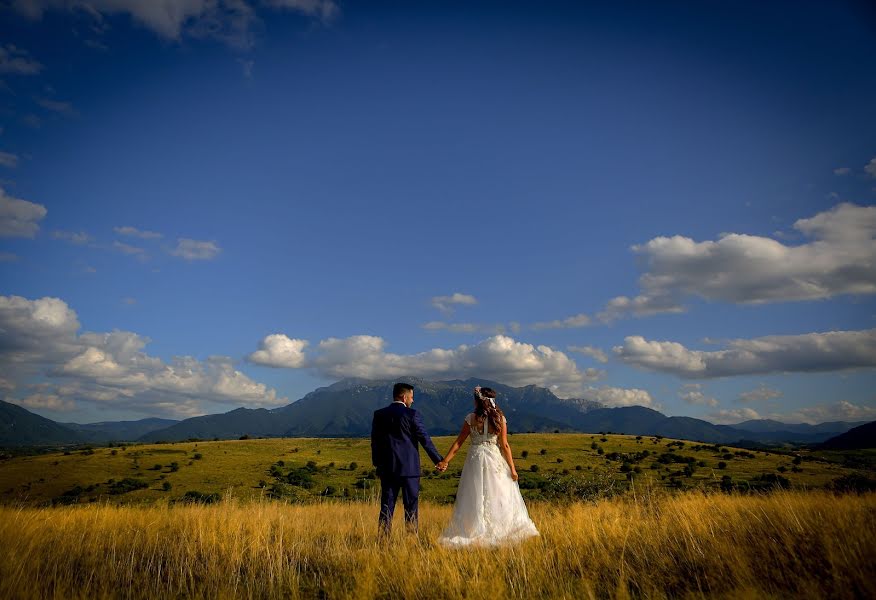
point(441, 466)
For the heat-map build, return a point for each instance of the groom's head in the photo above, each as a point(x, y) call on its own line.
point(403, 392)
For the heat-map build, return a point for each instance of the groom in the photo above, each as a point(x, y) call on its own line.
point(395, 432)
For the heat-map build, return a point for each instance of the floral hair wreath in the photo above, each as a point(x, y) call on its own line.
point(481, 397)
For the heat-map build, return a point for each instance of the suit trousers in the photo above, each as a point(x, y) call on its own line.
point(390, 485)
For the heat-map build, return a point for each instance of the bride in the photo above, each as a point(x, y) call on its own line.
point(489, 508)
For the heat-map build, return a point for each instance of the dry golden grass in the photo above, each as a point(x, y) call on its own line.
point(651, 545)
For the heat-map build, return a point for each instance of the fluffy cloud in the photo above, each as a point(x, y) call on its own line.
point(134, 232)
point(740, 268)
point(590, 351)
point(74, 237)
point(841, 171)
point(838, 411)
point(870, 167)
point(731, 416)
point(16, 61)
point(465, 327)
point(692, 393)
point(613, 396)
point(19, 218)
point(580, 320)
point(278, 350)
point(759, 394)
point(498, 357)
point(63, 108)
point(137, 251)
point(822, 413)
point(43, 401)
point(446, 303)
point(228, 21)
point(810, 352)
point(39, 338)
point(195, 249)
point(8, 160)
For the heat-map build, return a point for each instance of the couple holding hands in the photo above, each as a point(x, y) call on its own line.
point(489, 509)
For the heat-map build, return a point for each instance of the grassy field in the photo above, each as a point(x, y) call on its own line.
point(304, 469)
point(647, 544)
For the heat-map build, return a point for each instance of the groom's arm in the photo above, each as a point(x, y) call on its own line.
point(425, 440)
point(374, 440)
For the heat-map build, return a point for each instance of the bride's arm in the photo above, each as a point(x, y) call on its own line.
point(505, 447)
point(455, 447)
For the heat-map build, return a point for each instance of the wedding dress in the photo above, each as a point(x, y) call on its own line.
point(489, 508)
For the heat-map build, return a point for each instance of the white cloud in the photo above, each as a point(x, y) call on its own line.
point(498, 357)
point(75, 237)
point(590, 351)
point(19, 218)
point(228, 21)
point(195, 249)
point(463, 327)
point(841, 171)
point(692, 393)
point(446, 303)
point(137, 251)
point(838, 411)
point(810, 352)
point(579, 320)
point(613, 396)
point(760, 394)
point(8, 160)
point(134, 232)
point(640, 306)
point(39, 338)
point(870, 168)
point(63, 108)
point(324, 9)
point(16, 61)
point(43, 401)
point(732, 416)
point(748, 269)
point(279, 350)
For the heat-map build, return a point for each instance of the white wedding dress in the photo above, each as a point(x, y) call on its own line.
point(489, 508)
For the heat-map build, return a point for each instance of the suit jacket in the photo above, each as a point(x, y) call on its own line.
point(395, 432)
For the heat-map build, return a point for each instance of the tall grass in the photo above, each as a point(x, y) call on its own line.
point(652, 545)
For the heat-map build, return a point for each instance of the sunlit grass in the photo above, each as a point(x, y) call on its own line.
point(648, 544)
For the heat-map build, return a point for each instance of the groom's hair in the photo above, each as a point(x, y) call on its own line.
point(399, 389)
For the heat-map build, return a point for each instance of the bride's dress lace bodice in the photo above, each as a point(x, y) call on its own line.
point(489, 508)
point(483, 436)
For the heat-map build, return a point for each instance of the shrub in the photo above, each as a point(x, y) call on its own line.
point(201, 497)
point(114, 452)
point(559, 460)
point(600, 451)
point(300, 478)
point(281, 463)
point(166, 486)
point(157, 467)
point(198, 456)
point(174, 466)
point(594, 445)
point(542, 451)
point(524, 454)
point(354, 466)
point(722, 465)
point(854, 483)
point(128, 484)
point(534, 468)
point(245, 436)
point(781, 469)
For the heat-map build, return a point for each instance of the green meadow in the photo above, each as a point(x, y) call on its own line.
point(303, 469)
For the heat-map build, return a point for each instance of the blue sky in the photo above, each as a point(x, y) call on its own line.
point(219, 204)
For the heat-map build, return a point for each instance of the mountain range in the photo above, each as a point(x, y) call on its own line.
point(344, 409)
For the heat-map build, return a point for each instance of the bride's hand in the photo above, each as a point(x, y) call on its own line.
point(514, 475)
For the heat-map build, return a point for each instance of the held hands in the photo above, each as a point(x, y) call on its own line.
point(441, 466)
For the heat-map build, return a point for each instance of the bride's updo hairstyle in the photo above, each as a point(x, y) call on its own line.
point(485, 399)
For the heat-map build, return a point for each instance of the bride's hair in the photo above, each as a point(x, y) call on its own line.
point(486, 406)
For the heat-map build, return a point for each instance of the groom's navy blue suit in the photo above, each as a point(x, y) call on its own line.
point(395, 432)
